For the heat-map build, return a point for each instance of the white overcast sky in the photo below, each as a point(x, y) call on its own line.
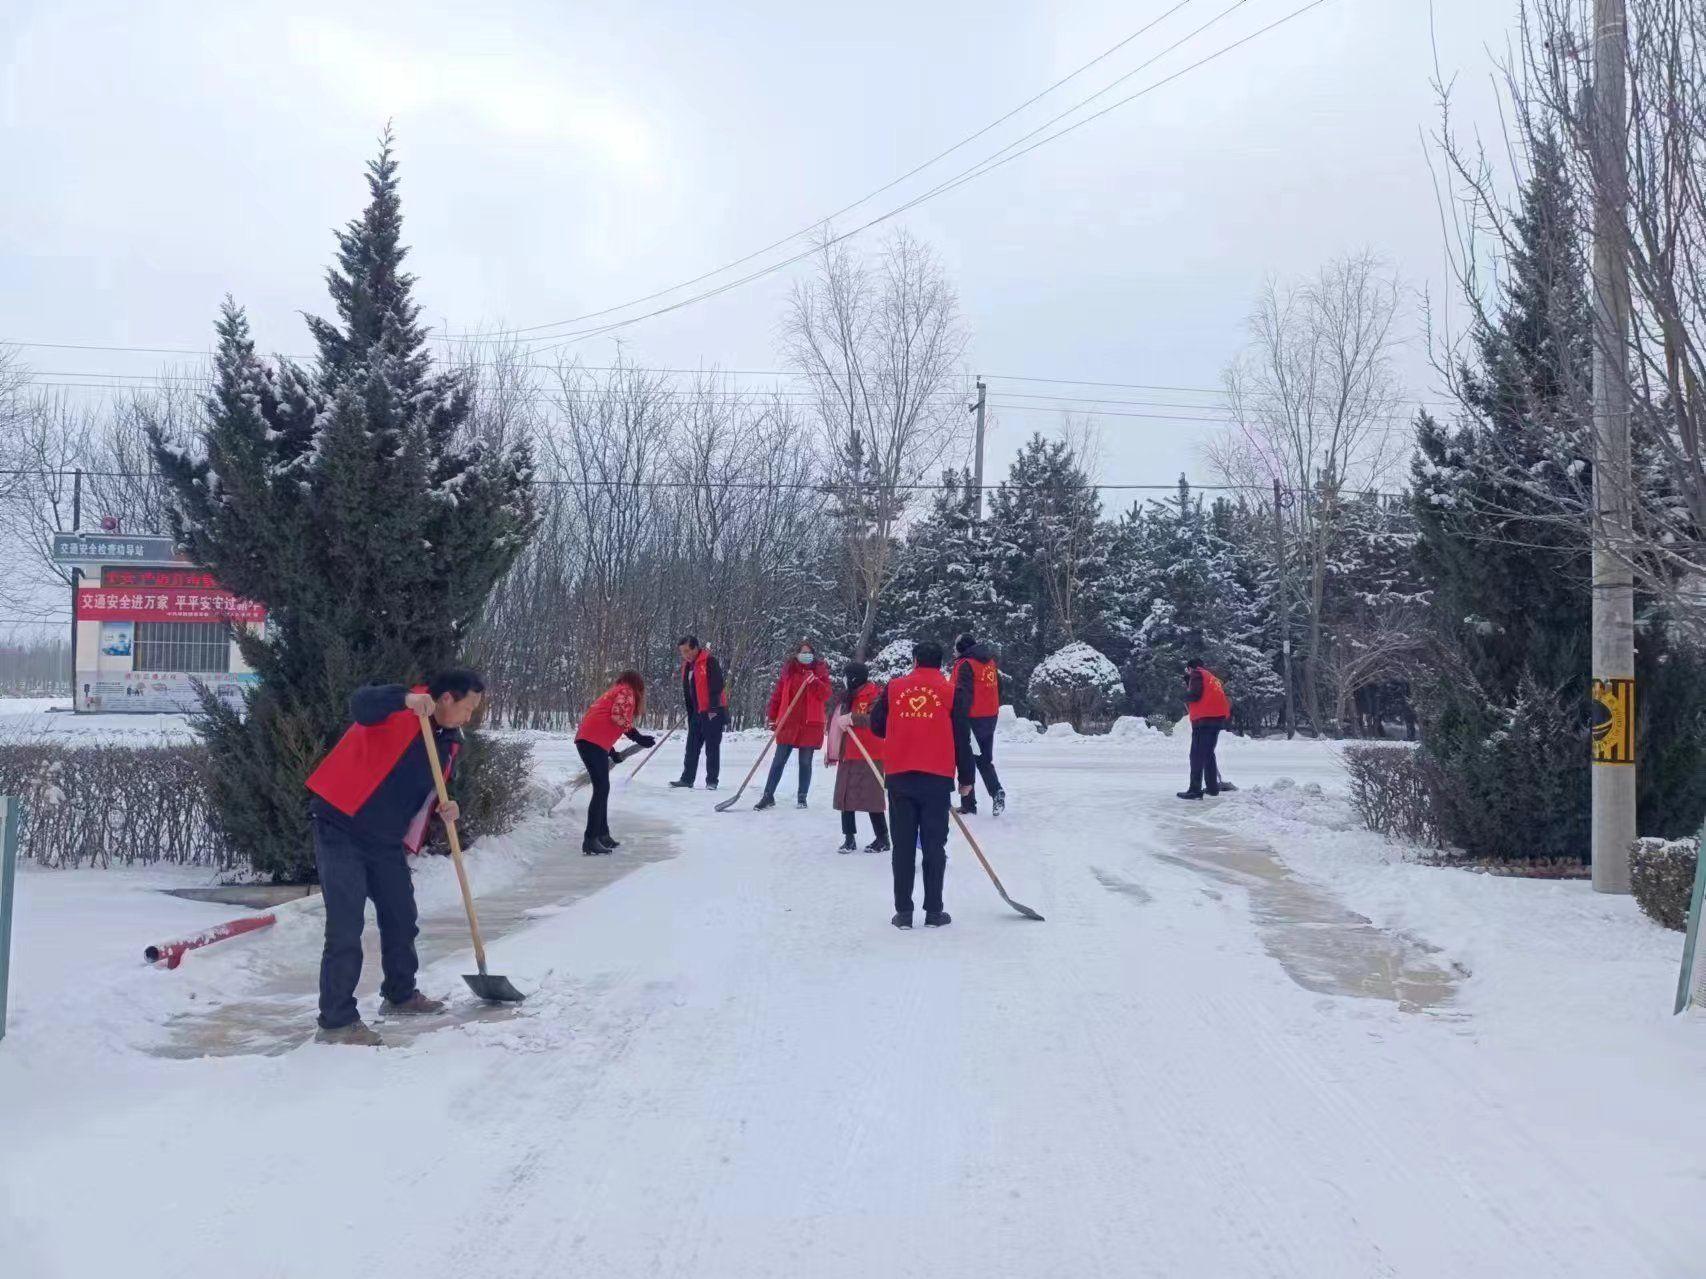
point(563, 157)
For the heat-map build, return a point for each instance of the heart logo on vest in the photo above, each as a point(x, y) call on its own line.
point(918, 701)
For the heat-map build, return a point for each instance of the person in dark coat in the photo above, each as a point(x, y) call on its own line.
point(799, 712)
point(1209, 709)
point(975, 669)
point(707, 703)
point(859, 777)
point(373, 797)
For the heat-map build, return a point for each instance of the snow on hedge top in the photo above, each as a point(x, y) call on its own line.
point(1077, 666)
point(894, 661)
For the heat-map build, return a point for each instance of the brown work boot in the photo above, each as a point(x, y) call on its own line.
point(357, 1032)
point(416, 1005)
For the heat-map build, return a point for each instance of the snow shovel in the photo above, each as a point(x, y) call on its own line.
point(995, 879)
point(648, 759)
point(493, 989)
point(747, 780)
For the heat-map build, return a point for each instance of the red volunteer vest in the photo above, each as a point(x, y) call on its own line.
point(1213, 704)
point(861, 704)
point(364, 757)
point(920, 733)
point(608, 718)
point(986, 683)
point(702, 682)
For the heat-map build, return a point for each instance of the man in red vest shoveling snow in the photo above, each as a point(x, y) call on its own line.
point(373, 797)
point(914, 717)
point(1210, 709)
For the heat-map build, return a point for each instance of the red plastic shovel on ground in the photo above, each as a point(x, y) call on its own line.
point(487, 986)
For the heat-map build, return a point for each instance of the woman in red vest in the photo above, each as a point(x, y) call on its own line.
point(799, 712)
point(858, 783)
point(914, 717)
point(615, 714)
point(1210, 708)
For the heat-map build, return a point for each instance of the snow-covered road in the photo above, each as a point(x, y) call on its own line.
point(1206, 1062)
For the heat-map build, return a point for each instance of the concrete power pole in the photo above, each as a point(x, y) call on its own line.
point(1613, 578)
point(977, 472)
point(1288, 716)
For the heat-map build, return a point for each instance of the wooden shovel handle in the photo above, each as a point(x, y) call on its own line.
point(455, 842)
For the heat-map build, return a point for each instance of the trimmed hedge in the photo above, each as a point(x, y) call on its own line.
point(98, 804)
point(1661, 876)
point(1397, 791)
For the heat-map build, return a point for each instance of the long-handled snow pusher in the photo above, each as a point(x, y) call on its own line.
point(648, 759)
point(995, 879)
point(494, 989)
point(751, 772)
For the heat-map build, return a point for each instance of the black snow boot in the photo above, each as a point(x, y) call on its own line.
point(609, 845)
point(764, 802)
point(710, 786)
point(681, 783)
point(877, 846)
point(848, 845)
point(937, 919)
point(968, 805)
point(800, 802)
point(902, 919)
point(1226, 786)
point(1190, 794)
point(592, 848)
point(1000, 804)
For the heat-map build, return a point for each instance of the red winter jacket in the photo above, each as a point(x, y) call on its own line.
point(803, 726)
point(609, 718)
point(915, 718)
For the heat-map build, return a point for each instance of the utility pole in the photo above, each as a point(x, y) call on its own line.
point(1287, 716)
point(76, 527)
point(977, 472)
point(1613, 578)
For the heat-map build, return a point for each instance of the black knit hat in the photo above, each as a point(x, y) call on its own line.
point(965, 643)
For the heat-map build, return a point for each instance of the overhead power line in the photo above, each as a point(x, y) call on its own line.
point(846, 208)
point(981, 169)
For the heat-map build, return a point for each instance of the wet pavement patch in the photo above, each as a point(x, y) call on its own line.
point(1322, 946)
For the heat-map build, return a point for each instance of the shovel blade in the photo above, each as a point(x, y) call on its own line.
point(727, 803)
point(493, 989)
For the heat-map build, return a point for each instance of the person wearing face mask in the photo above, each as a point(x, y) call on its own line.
point(798, 712)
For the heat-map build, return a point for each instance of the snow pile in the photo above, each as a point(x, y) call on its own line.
point(1061, 731)
point(1307, 804)
point(1009, 727)
point(893, 661)
point(1131, 728)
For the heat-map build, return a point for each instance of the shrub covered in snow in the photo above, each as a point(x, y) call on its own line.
point(1661, 876)
point(893, 661)
point(1079, 686)
point(1397, 792)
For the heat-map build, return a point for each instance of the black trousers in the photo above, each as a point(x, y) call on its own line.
point(982, 729)
point(351, 871)
point(879, 826)
point(1205, 772)
point(918, 812)
point(704, 732)
point(781, 761)
point(597, 761)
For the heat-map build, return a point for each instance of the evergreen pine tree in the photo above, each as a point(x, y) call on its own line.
point(1510, 577)
point(944, 584)
point(357, 503)
point(1050, 552)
